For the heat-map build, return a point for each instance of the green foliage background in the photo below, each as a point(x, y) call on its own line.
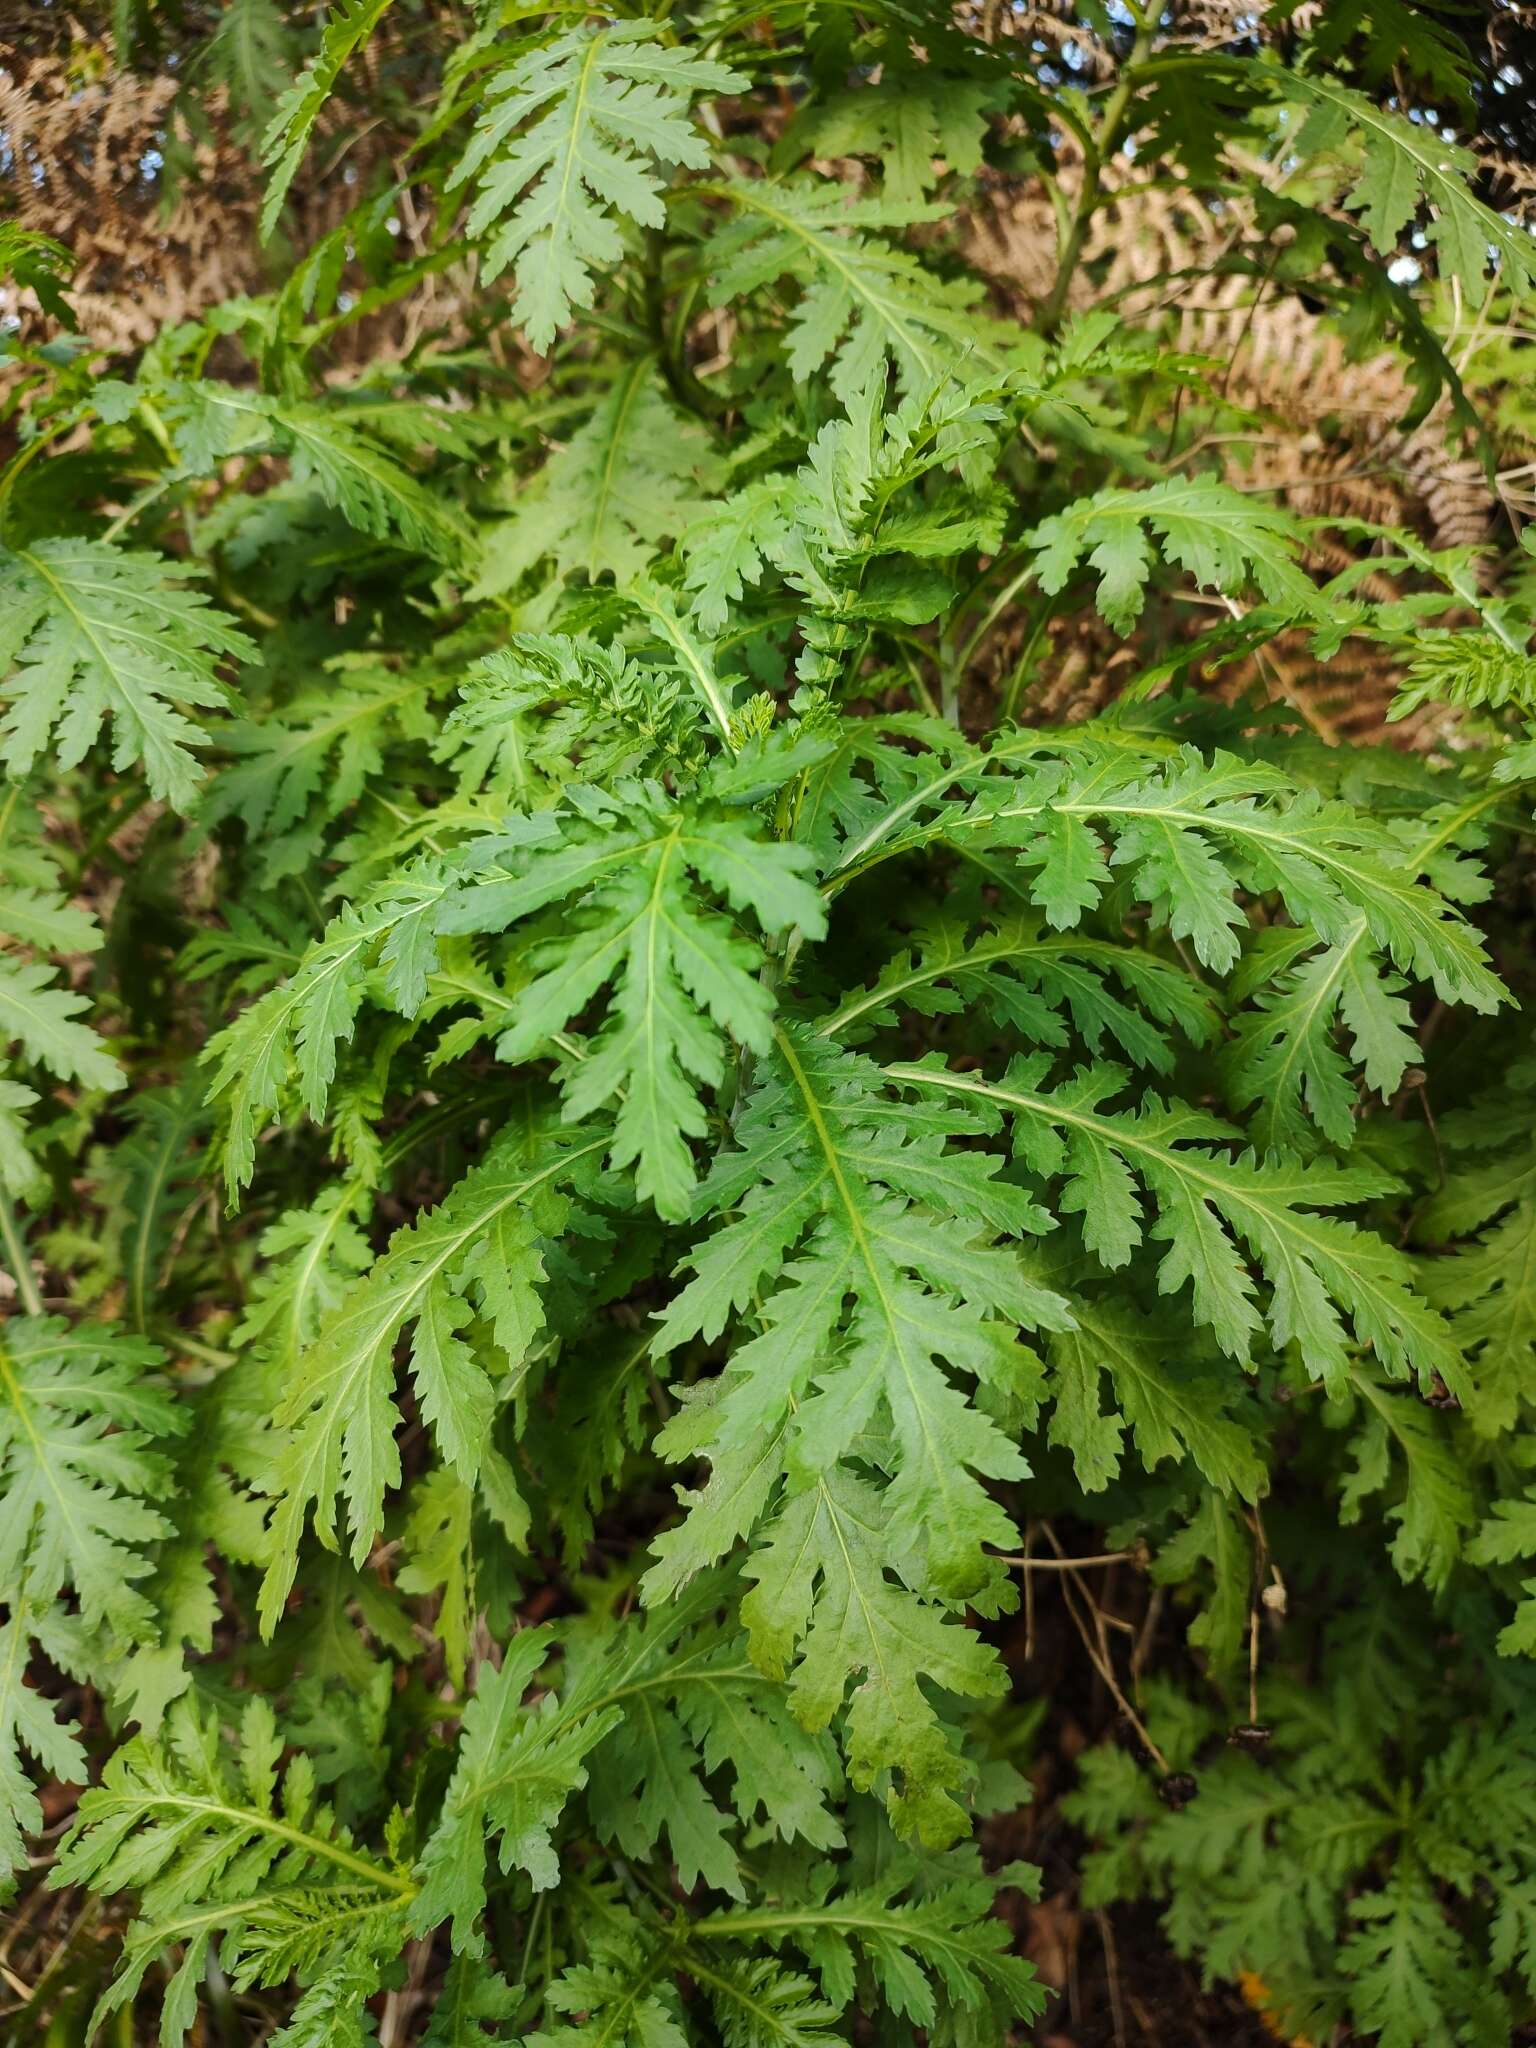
point(612, 1137)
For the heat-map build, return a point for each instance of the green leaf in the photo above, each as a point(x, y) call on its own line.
point(604, 502)
point(1473, 671)
point(473, 1997)
point(342, 447)
point(221, 1848)
point(728, 549)
point(824, 1605)
point(249, 54)
point(1222, 537)
point(1283, 1055)
point(1488, 1290)
point(1412, 1974)
point(880, 1240)
point(45, 1022)
point(92, 632)
point(437, 1544)
point(79, 1417)
point(1216, 1212)
point(517, 1768)
point(566, 142)
point(620, 1996)
point(1033, 983)
point(42, 918)
point(292, 1032)
point(1173, 1405)
point(645, 875)
point(906, 121)
point(1404, 164)
point(302, 766)
point(40, 265)
point(287, 136)
point(936, 1952)
point(864, 301)
point(20, 1174)
point(1213, 1538)
point(696, 1710)
point(860, 1197)
point(1437, 1507)
point(480, 1249)
point(28, 1727)
point(1192, 832)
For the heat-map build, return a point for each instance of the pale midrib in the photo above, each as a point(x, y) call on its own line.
point(262, 1823)
point(17, 1395)
point(983, 955)
point(1323, 998)
point(44, 1026)
point(866, 1254)
point(602, 497)
point(137, 635)
point(1278, 1215)
point(734, 1926)
point(299, 739)
point(308, 1267)
point(703, 682)
point(584, 1710)
point(423, 1277)
point(149, 1209)
point(887, 310)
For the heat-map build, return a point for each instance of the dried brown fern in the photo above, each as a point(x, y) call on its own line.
point(87, 165)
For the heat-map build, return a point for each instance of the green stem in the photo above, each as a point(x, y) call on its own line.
point(1009, 703)
point(16, 1257)
point(996, 608)
point(949, 694)
point(1098, 153)
point(135, 506)
point(669, 339)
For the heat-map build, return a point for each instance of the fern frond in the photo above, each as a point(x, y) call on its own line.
point(1472, 671)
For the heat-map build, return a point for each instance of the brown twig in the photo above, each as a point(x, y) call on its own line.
point(1096, 1644)
point(1112, 1977)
